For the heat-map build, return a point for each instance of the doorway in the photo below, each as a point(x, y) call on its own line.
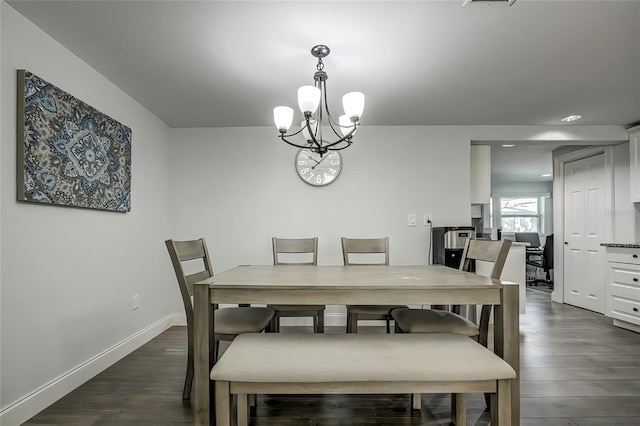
point(583, 185)
point(584, 219)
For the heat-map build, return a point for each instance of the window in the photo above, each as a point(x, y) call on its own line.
point(520, 214)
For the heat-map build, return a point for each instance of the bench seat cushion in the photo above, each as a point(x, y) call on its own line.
point(325, 358)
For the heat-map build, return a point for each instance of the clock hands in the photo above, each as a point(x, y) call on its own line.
point(318, 163)
point(309, 157)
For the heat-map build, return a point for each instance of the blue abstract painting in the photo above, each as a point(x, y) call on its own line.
point(69, 153)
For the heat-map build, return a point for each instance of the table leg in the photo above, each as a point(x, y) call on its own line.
point(507, 340)
point(203, 357)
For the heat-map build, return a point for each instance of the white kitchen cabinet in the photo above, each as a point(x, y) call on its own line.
point(622, 301)
point(480, 174)
point(634, 165)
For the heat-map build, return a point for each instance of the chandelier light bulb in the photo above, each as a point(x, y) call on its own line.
point(308, 99)
point(283, 117)
point(346, 125)
point(353, 103)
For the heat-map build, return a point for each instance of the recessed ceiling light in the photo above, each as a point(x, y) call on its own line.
point(571, 118)
point(508, 145)
point(488, 2)
point(546, 175)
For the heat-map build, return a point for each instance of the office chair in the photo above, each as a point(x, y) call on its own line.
point(546, 261)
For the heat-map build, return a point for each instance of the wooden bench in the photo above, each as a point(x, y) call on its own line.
point(289, 363)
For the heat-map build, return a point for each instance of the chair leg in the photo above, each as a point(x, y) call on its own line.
point(353, 327)
point(388, 320)
point(493, 408)
point(504, 402)
point(216, 350)
point(188, 381)
point(223, 403)
point(275, 324)
point(320, 328)
point(416, 401)
point(242, 409)
point(460, 409)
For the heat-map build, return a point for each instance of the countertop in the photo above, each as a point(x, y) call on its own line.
point(621, 245)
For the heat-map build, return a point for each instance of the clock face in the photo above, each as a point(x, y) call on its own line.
point(316, 170)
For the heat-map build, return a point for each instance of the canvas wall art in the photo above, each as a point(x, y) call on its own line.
point(69, 153)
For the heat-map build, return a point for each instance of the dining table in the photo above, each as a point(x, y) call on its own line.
point(350, 285)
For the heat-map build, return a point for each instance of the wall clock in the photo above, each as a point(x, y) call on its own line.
point(316, 170)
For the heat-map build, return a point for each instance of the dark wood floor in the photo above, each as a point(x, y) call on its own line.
point(577, 369)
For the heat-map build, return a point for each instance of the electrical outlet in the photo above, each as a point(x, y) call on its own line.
point(428, 219)
point(136, 302)
point(412, 219)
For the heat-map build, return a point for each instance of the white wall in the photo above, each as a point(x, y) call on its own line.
point(68, 275)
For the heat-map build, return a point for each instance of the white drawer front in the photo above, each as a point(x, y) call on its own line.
point(625, 275)
point(624, 255)
point(625, 309)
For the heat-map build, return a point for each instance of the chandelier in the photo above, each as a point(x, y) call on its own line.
point(313, 104)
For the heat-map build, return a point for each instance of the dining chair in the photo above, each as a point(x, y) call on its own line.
point(376, 252)
point(229, 322)
point(293, 249)
point(443, 321)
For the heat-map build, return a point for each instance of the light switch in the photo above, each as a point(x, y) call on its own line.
point(412, 219)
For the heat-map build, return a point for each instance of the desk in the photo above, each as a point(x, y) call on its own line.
point(354, 285)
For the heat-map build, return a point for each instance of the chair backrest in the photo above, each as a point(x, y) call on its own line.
point(488, 251)
point(182, 252)
point(295, 246)
point(533, 238)
point(547, 253)
point(365, 246)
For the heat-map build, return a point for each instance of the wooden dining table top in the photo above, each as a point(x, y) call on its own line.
point(353, 276)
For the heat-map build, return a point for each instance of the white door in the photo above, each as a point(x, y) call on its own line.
point(584, 228)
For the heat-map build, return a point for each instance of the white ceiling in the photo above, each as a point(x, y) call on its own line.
point(228, 63)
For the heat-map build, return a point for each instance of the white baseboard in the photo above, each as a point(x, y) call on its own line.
point(27, 407)
point(626, 325)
